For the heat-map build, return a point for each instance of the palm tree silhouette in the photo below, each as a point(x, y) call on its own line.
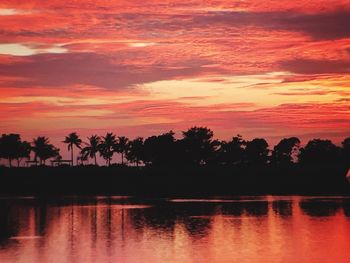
point(82, 157)
point(72, 140)
point(23, 152)
point(135, 151)
point(107, 147)
point(92, 147)
point(39, 146)
point(43, 149)
point(122, 146)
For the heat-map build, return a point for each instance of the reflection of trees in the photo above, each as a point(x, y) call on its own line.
point(164, 217)
point(250, 208)
point(93, 225)
point(184, 209)
point(319, 208)
point(41, 218)
point(15, 218)
point(197, 226)
point(282, 207)
point(232, 209)
point(195, 216)
point(256, 208)
point(5, 224)
point(160, 218)
point(346, 207)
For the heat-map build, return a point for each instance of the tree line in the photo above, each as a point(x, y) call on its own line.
point(196, 147)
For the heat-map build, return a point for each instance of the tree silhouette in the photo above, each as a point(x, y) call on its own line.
point(92, 147)
point(13, 148)
point(107, 147)
point(122, 146)
point(319, 151)
point(284, 152)
point(72, 140)
point(135, 151)
point(8, 144)
point(159, 150)
point(82, 157)
point(43, 149)
point(23, 152)
point(198, 145)
point(256, 151)
point(232, 152)
point(346, 151)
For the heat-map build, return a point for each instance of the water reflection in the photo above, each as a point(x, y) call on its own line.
point(256, 208)
point(346, 207)
point(115, 229)
point(283, 207)
point(320, 208)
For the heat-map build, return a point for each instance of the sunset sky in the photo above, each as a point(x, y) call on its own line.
point(269, 69)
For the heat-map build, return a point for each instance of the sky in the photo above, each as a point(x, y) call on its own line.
point(271, 69)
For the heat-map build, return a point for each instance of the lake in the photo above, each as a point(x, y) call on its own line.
point(127, 229)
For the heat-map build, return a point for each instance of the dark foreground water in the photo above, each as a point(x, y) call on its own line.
point(125, 229)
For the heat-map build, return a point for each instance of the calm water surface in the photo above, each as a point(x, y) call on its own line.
point(125, 229)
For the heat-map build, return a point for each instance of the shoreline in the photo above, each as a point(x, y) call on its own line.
point(179, 181)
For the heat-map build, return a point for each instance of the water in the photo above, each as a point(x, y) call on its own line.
point(125, 229)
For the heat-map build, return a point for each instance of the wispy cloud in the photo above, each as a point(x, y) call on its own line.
point(12, 11)
point(19, 49)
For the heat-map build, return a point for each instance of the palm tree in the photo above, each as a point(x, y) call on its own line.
point(92, 147)
point(107, 147)
point(72, 140)
point(135, 151)
point(23, 152)
point(43, 149)
point(122, 146)
point(82, 157)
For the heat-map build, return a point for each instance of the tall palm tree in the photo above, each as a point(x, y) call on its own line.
point(92, 147)
point(43, 149)
point(72, 140)
point(122, 146)
point(107, 147)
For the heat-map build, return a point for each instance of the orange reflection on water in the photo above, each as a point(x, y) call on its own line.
point(272, 229)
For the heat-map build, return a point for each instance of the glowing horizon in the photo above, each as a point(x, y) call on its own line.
point(261, 69)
